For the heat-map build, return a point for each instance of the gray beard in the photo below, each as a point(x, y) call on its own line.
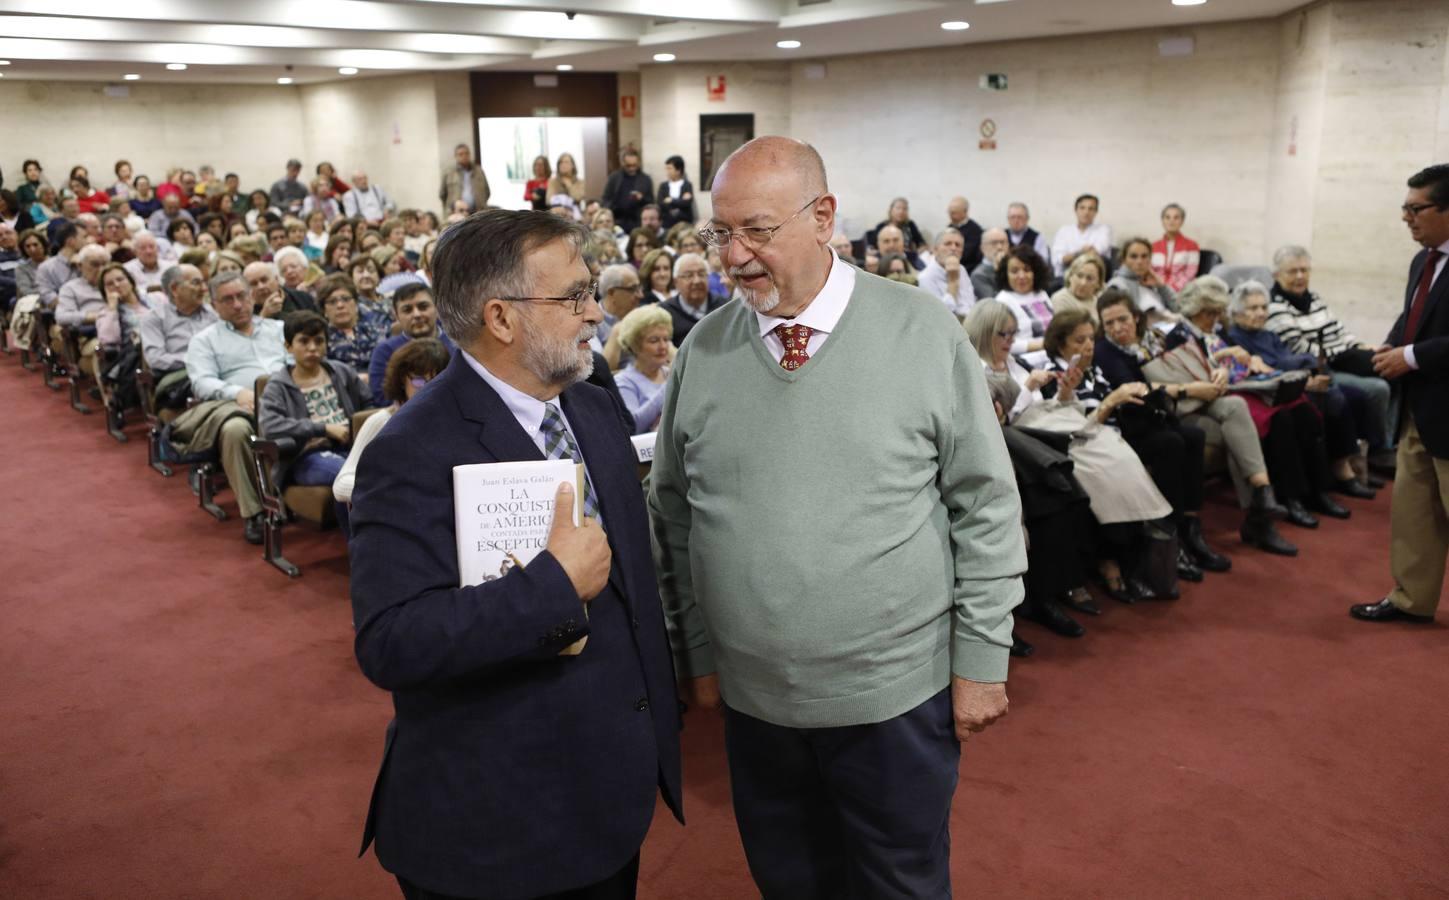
point(556, 362)
point(760, 303)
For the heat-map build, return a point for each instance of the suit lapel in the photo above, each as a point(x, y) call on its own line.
point(498, 432)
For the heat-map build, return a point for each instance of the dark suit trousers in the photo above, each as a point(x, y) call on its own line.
point(852, 813)
point(619, 886)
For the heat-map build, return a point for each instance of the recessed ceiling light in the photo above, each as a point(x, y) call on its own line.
point(4, 62)
point(1188, 2)
point(284, 80)
point(347, 70)
point(564, 67)
point(955, 25)
point(664, 57)
point(788, 45)
point(176, 67)
point(132, 77)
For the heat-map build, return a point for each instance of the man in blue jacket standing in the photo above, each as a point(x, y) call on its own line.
point(511, 771)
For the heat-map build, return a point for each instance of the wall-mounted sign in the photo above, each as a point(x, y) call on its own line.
point(988, 135)
point(993, 81)
point(628, 106)
point(715, 85)
point(545, 111)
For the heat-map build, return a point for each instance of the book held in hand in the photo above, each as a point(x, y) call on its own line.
point(502, 516)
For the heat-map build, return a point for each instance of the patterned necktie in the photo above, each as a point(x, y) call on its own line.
point(558, 444)
point(796, 339)
point(1421, 297)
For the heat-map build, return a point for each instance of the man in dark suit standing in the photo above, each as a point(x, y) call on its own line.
point(1416, 358)
point(628, 191)
point(511, 771)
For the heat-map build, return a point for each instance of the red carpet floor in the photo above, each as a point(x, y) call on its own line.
point(180, 720)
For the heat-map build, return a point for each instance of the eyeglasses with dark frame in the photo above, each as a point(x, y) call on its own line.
point(753, 236)
point(578, 298)
point(1412, 210)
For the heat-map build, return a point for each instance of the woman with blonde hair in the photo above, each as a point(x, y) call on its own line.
point(565, 180)
point(646, 333)
point(1085, 278)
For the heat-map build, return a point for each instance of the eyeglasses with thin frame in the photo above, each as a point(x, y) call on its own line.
point(754, 236)
point(578, 298)
point(1412, 210)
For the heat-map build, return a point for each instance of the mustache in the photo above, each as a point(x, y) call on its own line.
point(748, 271)
point(587, 333)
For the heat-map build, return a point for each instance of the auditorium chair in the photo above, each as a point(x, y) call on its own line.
point(204, 473)
point(313, 504)
point(51, 366)
point(70, 360)
point(1207, 260)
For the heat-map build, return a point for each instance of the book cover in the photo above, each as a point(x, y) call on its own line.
point(502, 516)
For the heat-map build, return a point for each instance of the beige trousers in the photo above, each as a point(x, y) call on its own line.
point(1419, 525)
point(236, 462)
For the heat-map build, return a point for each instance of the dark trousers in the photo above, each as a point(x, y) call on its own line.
point(619, 886)
point(1173, 456)
point(1294, 451)
point(858, 812)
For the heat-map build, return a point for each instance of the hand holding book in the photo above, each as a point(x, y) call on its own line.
point(582, 550)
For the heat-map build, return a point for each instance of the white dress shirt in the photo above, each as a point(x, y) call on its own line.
point(933, 280)
point(1071, 239)
point(820, 316)
point(1438, 270)
point(527, 410)
point(675, 188)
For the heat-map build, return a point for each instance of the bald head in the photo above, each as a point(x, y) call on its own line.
point(785, 159)
point(994, 243)
point(890, 239)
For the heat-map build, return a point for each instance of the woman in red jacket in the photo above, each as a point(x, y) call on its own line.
point(1175, 255)
point(91, 201)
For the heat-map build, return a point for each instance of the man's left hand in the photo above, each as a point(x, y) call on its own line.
point(975, 705)
point(1390, 363)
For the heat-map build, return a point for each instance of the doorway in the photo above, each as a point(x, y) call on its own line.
point(719, 136)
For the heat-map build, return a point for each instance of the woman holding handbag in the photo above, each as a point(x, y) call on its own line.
point(1119, 488)
point(1171, 450)
point(1126, 350)
point(1291, 431)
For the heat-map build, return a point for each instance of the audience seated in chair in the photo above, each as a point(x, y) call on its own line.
point(1084, 234)
point(620, 292)
point(1175, 256)
point(352, 335)
point(692, 300)
point(947, 274)
point(223, 361)
point(656, 273)
point(994, 245)
point(958, 216)
point(1306, 325)
point(417, 314)
point(1137, 278)
point(1086, 277)
point(645, 333)
point(1021, 279)
point(1200, 399)
point(310, 402)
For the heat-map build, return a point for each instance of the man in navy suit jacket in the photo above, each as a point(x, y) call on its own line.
point(510, 771)
point(1416, 359)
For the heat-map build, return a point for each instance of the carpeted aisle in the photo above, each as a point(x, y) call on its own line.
point(183, 721)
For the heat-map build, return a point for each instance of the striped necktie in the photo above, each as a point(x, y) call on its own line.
point(558, 444)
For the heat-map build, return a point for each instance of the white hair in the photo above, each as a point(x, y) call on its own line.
point(287, 251)
point(1287, 254)
point(690, 257)
point(1242, 292)
point(93, 250)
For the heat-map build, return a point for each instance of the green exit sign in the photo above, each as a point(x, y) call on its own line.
point(545, 111)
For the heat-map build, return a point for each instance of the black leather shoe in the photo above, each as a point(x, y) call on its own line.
point(1049, 615)
point(1140, 591)
point(1327, 506)
point(1122, 593)
point(1187, 569)
point(1266, 503)
point(1079, 600)
point(1352, 487)
point(1385, 462)
point(1299, 515)
point(1259, 532)
point(1020, 648)
point(1385, 611)
point(252, 530)
point(1189, 532)
point(1373, 481)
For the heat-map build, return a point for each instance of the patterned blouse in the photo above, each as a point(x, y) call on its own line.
point(356, 350)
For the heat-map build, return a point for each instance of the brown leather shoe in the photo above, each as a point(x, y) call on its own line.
point(1385, 611)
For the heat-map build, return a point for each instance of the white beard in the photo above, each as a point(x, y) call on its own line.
point(760, 303)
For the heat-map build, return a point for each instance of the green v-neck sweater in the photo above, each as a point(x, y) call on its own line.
point(836, 541)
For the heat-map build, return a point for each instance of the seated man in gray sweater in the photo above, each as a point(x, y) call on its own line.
point(839, 543)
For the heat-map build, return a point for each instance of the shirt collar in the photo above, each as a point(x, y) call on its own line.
point(824, 312)
point(1444, 248)
point(527, 409)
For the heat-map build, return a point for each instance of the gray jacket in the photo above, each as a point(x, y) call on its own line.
point(282, 412)
point(1126, 280)
point(983, 280)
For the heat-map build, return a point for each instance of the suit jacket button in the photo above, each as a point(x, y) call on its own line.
point(642, 705)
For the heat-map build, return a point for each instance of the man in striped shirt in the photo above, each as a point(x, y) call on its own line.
point(1304, 322)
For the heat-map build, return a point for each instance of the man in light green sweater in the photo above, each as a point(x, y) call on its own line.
point(839, 543)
